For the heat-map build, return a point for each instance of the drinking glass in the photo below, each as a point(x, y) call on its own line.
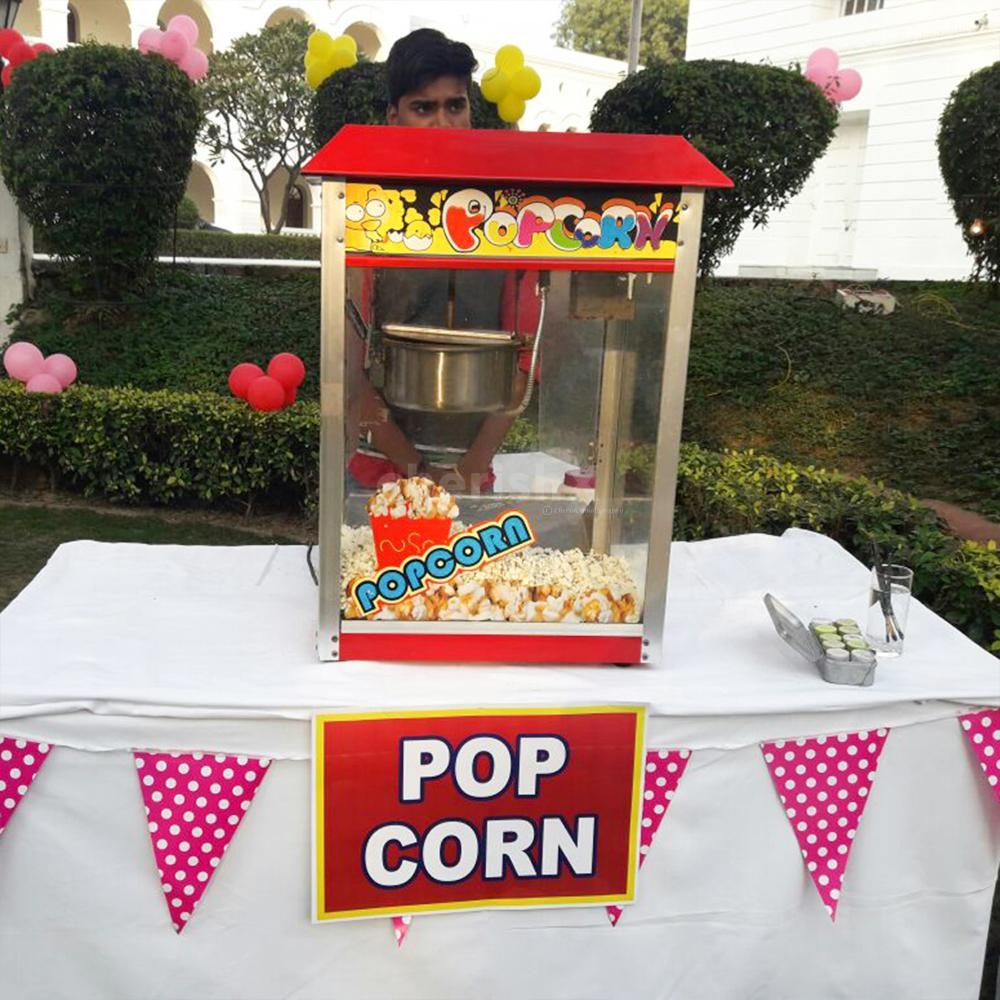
point(889, 592)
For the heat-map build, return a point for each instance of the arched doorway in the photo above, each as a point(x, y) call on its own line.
point(72, 24)
point(105, 21)
point(367, 37)
point(201, 191)
point(298, 208)
point(194, 10)
point(283, 14)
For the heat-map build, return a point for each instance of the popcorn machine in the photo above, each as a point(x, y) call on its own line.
point(505, 329)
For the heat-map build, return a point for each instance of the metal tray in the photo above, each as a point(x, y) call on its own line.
point(798, 636)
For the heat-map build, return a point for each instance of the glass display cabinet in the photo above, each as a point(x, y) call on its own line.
point(505, 329)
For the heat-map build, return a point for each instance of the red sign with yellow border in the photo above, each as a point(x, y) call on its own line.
point(476, 809)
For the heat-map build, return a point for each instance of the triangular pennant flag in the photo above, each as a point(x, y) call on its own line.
point(400, 927)
point(664, 770)
point(823, 783)
point(20, 762)
point(982, 730)
point(194, 804)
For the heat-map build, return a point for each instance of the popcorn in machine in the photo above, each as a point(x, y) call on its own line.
point(505, 329)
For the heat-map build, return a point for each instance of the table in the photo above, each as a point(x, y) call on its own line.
point(113, 647)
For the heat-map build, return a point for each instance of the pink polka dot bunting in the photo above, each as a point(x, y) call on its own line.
point(400, 928)
point(194, 803)
point(824, 783)
point(20, 762)
point(982, 730)
point(664, 770)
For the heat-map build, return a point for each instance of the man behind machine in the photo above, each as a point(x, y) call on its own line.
point(429, 78)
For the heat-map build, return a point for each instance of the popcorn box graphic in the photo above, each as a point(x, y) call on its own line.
point(398, 538)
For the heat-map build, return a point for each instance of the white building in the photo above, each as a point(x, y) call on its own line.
point(571, 81)
point(875, 205)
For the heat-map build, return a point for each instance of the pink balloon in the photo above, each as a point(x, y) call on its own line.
point(850, 84)
point(187, 26)
point(818, 76)
point(194, 63)
point(150, 40)
point(44, 383)
point(174, 46)
point(62, 367)
point(824, 59)
point(23, 360)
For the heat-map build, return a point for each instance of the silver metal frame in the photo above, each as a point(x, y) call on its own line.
point(677, 334)
point(668, 433)
point(608, 422)
point(332, 415)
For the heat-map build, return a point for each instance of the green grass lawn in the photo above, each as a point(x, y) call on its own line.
point(30, 534)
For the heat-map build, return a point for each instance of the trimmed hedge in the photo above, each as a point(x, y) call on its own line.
point(256, 246)
point(178, 448)
point(204, 449)
point(209, 243)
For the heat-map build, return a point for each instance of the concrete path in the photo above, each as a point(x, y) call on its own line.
point(965, 523)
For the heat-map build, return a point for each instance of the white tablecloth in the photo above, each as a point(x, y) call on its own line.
point(186, 648)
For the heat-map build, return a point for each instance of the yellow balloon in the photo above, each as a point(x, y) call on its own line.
point(526, 83)
point(341, 60)
point(494, 85)
point(319, 43)
point(346, 43)
point(316, 74)
point(509, 59)
point(511, 108)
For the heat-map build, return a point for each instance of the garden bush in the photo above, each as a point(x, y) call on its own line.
point(186, 216)
point(96, 147)
point(968, 153)
point(763, 126)
point(204, 449)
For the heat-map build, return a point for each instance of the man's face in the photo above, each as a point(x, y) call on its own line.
point(443, 103)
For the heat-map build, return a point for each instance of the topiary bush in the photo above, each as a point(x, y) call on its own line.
point(359, 96)
point(763, 126)
point(96, 147)
point(969, 157)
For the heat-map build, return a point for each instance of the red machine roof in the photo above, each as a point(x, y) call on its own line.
point(580, 159)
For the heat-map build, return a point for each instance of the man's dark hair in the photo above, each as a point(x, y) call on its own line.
point(425, 55)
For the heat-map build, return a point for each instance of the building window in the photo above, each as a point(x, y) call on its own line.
point(72, 25)
point(862, 6)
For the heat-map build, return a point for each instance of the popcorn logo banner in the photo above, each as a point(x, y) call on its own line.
point(823, 783)
point(664, 770)
point(982, 731)
point(194, 805)
point(20, 762)
point(512, 223)
point(475, 809)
